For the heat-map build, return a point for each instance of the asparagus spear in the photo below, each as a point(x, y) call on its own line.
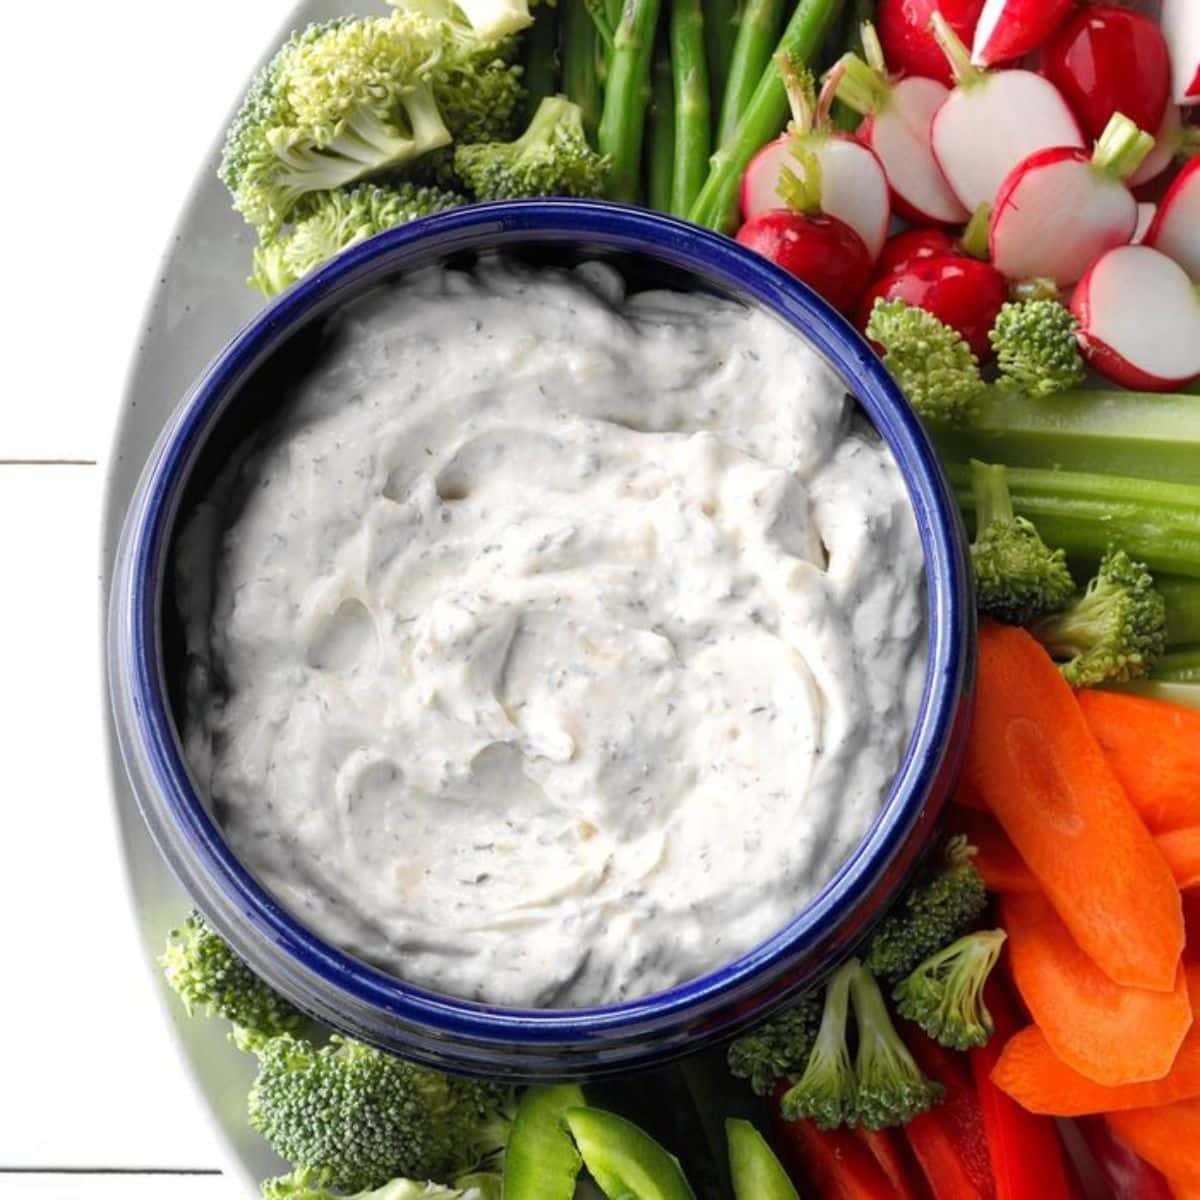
point(623, 118)
point(581, 62)
point(541, 58)
point(721, 21)
point(756, 38)
point(693, 129)
point(660, 142)
point(764, 117)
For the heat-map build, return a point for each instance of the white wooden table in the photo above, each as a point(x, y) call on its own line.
point(121, 101)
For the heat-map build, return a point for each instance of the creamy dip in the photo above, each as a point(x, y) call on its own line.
point(553, 647)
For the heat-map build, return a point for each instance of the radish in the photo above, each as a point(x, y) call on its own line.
point(1060, 209)
point(1107, 60)
point(992, 121)
point(1008, 29)
point(901, 250)
point(854, 187)
point(898, 117)
point(1139, 320)
point(1181, 27)
point(961, 292)
point(1172, 140)
point(908, 45)
point(820, 250)
point(1175, 230)
point(1146, 215)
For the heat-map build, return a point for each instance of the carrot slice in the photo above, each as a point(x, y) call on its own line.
point(996, 858)
point(1033, 1075)
point(1154, 748)
point(1167, 1138)
point(1108, 1033)
point(1181, 849)
point(1034, 760)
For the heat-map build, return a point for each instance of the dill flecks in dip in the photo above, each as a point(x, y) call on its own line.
point(553, 647)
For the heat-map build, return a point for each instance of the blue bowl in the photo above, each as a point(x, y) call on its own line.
point(146, 669)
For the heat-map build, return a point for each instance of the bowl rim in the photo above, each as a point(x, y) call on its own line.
point(152, 737)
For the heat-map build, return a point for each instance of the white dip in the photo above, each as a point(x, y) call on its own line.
point(557, 647)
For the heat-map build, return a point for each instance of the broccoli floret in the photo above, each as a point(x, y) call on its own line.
point(1114, 632)
point(551, 158)
point(939, 906)
point(1036, 348)
point(206, 974)
point(339, 102)
point(305, 1184)
point(329, 222)
point(931, 362)
point(825, 1092)
point(891, 1089)
point(357, 1117)
point(1017, 576)
point(944, 995)
point(777, 1048)
point(488, 18)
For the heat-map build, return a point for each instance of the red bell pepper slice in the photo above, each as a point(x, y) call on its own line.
point(891, 1152)
point(1027, 1156)
point(1125, 1173)
point(949, 1141)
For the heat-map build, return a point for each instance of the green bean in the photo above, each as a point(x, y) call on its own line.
point(693, 124)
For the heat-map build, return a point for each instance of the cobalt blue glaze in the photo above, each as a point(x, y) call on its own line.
point(459, 1035)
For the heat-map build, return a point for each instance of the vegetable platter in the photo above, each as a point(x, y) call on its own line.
point(1001, 194)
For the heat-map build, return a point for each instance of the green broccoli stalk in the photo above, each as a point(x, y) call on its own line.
point(1017, 576)
point(1036, 349)
point(944, 995)
point(891, 1089)
point(931, 363)
point(305, 1184)
point(206, 974)
point(777, 1048)
point(940, 905)
point(551, 158)
point(1114, 632)
point(357, 1117)
point(339, 102)
point(329, 222)
point(825, 1092)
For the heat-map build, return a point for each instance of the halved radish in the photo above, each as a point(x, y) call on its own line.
point(1060, 209)
point(854, 187)
point(1170, 140)
point(992, 121)
point(1181, 27)
point(1139, 320)
point(1146, 215)
point(1176, 227)
point(1008, 29)
point(896, 127)
point(909, 46)
point(1107, 60)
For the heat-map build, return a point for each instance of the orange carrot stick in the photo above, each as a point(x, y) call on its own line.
point(995, 858)
point(1167, 1138)
point(1154, 748)
point(1108, 1033)
point(1031, 1073)
point(1034, 760)
point(1181, 849)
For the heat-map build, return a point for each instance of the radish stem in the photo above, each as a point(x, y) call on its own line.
point(1121, 148)
point(623, 119)
point(801, 191)
point(763, 119)
point(975, 237)
point(957, 55)
point(756, 37)
point(693, 131)
point(660, 148)
point(861, 87)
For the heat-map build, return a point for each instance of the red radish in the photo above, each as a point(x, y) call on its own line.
point(898, 117)
point(908, 45)
point(1107, 60)
point(1146, 215)
point(854, 187)
point(1061, 209)
point(1181, 27)
point(1175, 230)
point(1139, 320)
point(818, 249)
point(961, 292)
point(1008, 29)
point(1172, 140)
point(901, 250)
point(992, 121)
